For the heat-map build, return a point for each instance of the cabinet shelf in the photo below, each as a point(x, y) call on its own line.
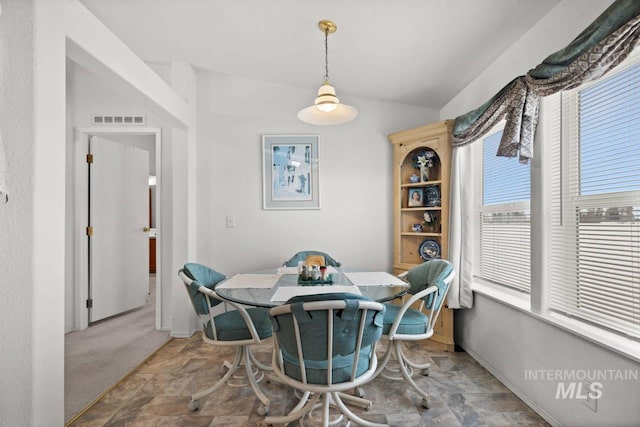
point(421, 184)
point(407, 145)
point(422, 209)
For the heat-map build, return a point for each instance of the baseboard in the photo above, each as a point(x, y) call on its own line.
point(514, 389)
point(181, 335)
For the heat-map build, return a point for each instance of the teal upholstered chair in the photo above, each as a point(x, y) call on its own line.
point(302, 256)
point(429, 283)
point(323, 345)
point(238, 327)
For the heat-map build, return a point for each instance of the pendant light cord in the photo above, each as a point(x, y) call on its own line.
point(326, 55)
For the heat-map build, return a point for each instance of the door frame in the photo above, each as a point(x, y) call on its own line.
point(82, 135)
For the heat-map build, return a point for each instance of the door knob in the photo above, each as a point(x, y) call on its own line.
point(146, 229)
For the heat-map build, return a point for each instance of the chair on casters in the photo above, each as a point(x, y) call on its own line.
point(317, 257)
point(429, 286)
point(239, 328)
point(323, 345)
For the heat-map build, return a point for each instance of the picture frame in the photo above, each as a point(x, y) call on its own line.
point(415, 197)
point(290, 172)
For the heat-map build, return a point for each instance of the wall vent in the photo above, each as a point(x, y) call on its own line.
point(101, 119)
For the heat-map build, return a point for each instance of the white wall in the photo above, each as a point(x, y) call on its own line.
point(354, 223)
point(506, 340)
point(16, 217)
point(35, 37)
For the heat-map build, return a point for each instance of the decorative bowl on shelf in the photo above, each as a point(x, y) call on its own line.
point(432, 196)
point(414, 178)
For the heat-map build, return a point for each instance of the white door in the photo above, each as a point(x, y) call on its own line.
point(118, 215)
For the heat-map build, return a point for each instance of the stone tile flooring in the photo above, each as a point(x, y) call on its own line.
point(463, 393)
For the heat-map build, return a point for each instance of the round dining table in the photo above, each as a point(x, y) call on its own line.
point(272, 288)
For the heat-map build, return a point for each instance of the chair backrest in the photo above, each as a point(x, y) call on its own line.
point(225, 328)
point(327, 339)
point(303, 255)
point(201, 276)
point(436, 272)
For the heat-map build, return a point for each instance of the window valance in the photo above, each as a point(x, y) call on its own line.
point(598, 49)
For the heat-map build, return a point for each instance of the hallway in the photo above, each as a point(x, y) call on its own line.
point(98, 357)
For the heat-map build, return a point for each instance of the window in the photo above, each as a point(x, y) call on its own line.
point(503, 251)
point(595, 232)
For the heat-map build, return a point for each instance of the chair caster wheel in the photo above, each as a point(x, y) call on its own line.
point(425, 372)
point(358, 392)
point(426, 403)
point(194, 405)
point(263, 410)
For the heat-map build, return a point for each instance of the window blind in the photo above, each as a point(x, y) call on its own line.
point(595, 240)
point(503, 241)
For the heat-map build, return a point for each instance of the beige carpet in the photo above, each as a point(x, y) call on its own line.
point(99, 356)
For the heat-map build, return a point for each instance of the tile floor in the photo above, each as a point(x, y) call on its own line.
point(462, 392)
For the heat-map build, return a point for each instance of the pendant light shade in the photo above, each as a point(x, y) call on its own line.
point(327, 109)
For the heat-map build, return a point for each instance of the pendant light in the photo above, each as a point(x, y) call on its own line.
point(327, 109)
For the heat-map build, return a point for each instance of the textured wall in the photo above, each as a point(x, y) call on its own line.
point(16, 231)
point(35, 37)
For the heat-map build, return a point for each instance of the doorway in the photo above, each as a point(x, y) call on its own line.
point(118, 229)
point(99, 353)
point(145, 138)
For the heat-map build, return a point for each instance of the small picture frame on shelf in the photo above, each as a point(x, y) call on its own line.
point(415, 198)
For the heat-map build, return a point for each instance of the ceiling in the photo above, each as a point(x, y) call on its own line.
point(417, 52)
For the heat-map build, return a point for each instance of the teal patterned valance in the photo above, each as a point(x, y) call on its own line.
point(598, 49)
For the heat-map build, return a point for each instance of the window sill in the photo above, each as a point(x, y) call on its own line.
point(624, 346)
point(501, 294)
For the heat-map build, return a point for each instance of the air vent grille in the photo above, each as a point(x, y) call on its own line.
point(101, 119)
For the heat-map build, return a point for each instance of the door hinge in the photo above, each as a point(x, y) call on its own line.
point(89, 158)
point(89, 303)
point(89, 231)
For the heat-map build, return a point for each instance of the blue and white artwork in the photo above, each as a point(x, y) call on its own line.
point(291, 175)
point(290, 172)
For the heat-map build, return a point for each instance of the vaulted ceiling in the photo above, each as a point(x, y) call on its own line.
point(417, 52)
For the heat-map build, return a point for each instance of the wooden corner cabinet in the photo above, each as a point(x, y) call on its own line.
point(421, 205)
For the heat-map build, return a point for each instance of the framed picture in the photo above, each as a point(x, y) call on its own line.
point(290, 172)
point(415, 197)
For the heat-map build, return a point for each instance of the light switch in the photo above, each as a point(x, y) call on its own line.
point(231, 221)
